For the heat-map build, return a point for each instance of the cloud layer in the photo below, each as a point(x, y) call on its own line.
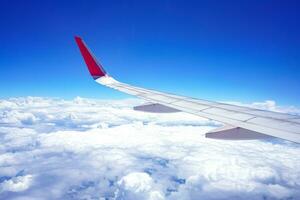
point(92, 149)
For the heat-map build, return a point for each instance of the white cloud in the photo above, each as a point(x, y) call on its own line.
point(94, 149)
point(16, 184)
point(271, 105)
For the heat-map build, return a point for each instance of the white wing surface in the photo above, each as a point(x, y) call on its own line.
point(242, 122)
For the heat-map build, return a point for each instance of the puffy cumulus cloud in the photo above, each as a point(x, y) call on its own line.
point(94, 149)
point(137, 185)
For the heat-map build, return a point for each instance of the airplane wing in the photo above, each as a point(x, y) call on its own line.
point(240, 122)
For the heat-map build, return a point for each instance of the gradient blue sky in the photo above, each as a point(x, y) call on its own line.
point(219, 50)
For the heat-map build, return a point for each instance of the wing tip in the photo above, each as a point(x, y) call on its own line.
point(95, 68)
point(77, 38)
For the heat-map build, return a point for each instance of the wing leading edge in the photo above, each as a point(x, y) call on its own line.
point(244, 122)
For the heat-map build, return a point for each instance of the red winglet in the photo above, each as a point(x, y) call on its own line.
point(94, 67)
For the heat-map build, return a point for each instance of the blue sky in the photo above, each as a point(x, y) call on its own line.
point(219, 50)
